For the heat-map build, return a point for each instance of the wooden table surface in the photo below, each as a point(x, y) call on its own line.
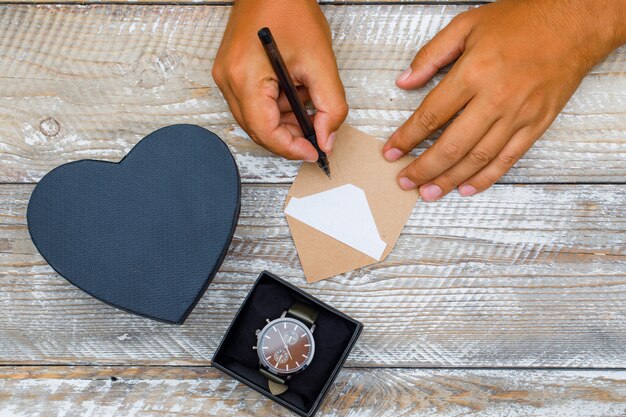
point(512, 302)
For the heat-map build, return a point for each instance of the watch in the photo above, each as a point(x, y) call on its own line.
point(285, 346)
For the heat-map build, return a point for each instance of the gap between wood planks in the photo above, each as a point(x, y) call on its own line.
point(349, 366)
point(230, 3)
point(273, 184)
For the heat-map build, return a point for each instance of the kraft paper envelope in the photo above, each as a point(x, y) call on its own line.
point(353, 219)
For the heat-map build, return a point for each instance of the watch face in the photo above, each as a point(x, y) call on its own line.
point(285, 346)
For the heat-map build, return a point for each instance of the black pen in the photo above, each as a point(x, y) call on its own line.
point(286, 84)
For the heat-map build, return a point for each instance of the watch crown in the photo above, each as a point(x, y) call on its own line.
point(256, 332)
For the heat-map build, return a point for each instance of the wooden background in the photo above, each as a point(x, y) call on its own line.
point(512, 302)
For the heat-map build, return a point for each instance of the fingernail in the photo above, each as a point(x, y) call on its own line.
point(393, 154)
point(467, 190)
point(405, 183)
point(402, 77)
point(430, 192)
point(330, 142)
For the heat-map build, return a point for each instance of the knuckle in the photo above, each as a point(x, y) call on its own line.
point(447, 181)
point(401, 141)
point(470, 76)
point(450, 151)
point(473, 69)
point(485, 180)
point(236, 74)
point(508, 159)
point(427, 120)
point(482, 70)
point(528, 111)
point(341, 109)
point(479, 157)
point(499, 98)
point(216, 73)
point(236, 78)
point(424, 54)
point(415, 174)
point(461, 18)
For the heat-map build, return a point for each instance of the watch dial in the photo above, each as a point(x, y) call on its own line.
point(285, 345)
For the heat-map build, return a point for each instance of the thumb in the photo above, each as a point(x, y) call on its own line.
point(329, 99)
point(445, 47)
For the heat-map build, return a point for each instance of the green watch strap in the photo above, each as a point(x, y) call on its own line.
point(272, 377)
point(306, 313)
point(276, 384)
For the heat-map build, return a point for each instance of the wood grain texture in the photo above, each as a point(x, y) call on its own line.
point(90, 81)
point(133, 392)
point(519, 276)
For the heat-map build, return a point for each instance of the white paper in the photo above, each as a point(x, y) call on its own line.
point(343, 214)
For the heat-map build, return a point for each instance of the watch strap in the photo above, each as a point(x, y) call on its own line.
point(276, 384)
point(304, 312)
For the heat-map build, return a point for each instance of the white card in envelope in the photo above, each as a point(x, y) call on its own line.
point(343, 214)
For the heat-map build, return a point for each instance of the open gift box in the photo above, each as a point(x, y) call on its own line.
point(335, 334)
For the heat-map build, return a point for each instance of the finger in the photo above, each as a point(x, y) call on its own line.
point(484, 152)
point(515, 148)
point(445, 47)
point(283, 140)
point(455, 142)
point(294, 129)
point(443, 102)
point(260, 111)
point(283, 103)
point(328, 97)
point(289, 119)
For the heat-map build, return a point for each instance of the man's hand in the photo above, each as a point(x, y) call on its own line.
point(247, 81)
point(517, 64)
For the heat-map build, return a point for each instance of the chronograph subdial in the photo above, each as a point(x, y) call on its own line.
point(285, 346)
point(291, 337)
point(281, 356)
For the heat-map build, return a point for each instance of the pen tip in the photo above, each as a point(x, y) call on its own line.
point(326, 169)
point(322, 162)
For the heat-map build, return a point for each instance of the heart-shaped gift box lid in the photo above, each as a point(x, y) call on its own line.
point(146, 234)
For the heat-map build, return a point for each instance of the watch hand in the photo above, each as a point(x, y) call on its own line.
point(284, 344)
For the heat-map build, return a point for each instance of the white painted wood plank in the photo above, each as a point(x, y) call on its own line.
point(518, 276)
point(90, 392)
point(89, 82)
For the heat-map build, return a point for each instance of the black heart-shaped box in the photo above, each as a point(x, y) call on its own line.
point(147, 234)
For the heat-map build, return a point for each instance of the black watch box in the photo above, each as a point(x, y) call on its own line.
point(335, 334)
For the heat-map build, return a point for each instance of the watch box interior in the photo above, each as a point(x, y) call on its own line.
point(335, 334)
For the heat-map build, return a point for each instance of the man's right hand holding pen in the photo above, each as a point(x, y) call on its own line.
point(249, 84)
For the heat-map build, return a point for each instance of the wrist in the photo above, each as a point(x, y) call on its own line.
point(607, 28)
